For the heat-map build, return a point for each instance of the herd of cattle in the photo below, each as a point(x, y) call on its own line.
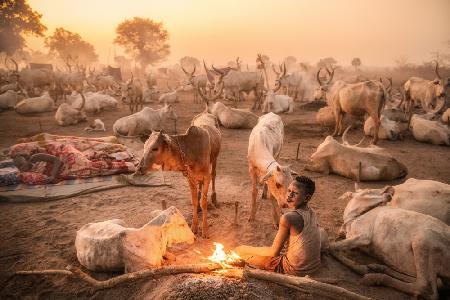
point(402, 226)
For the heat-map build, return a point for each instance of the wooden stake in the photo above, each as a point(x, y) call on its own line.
point(298, 148)
point(304, 284)
point(163, 204)
point(236, 213)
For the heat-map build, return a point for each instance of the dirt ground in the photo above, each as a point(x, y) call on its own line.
point(42, 235)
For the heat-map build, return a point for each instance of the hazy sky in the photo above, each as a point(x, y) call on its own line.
point(377, 31)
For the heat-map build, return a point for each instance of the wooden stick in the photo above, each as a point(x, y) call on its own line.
point(106, 284)
point(236, 212)
point(163, 204)
point(298, 148)
point(358, 178)
point(305, 284)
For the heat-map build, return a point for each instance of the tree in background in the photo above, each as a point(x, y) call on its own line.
point(290, 61)
point(70, 46)
point(402, 63)
point(144, 39)
point(17, 18)
point(356, 63)
point(327, 62)
point(188, 62)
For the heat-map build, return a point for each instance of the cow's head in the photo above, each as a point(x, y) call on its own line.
point(320, 92)
point(127, 89)
point(156, 152)
point(282, 78)
point(361, 201)
point(278, 181)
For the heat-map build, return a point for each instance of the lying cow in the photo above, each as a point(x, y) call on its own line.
point(423, 196)
point(428, 131)
point(95, 102)
point(325, 118)
point(169, 97)
point(351, 161)
point(232, 118)
point(39, 104)
point(278, 103)
point(264, 148)
point(414, 246)
point(144, 121)
point(67, 115)
point(389, 130)
point(9, 99)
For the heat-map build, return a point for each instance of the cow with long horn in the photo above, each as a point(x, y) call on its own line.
point(132, 94)
point(423, 91)
point(196, 81)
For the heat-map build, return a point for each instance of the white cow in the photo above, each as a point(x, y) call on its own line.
point(9, 99)
point(428, 131)
point(67, 115)
point(95, 102)
point(39, 104)
point(144, 121)
point(232, 117)
point(264, 148)
point(389, 130)
point(278, 103)
point(368, 164)
point(169, 97)
point(414, 246)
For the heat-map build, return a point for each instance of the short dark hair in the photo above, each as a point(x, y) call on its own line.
point(306, 183)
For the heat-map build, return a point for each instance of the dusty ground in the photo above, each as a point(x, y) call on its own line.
point(42, 235)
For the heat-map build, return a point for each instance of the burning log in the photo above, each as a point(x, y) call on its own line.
point(304, 284)
point(110, 283)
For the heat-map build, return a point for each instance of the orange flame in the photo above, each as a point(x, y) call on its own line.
point(225, 260)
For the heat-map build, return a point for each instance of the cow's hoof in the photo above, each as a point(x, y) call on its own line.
point(194, 229)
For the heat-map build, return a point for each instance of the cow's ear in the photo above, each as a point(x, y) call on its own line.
point(436, 81)
point(388, 190)
point(144, 136)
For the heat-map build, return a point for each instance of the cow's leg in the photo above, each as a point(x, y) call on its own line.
point(204, 204)
point(254, 180)
point(376, 119)
point(337, 119)
point(213, 184)
point(264, 191)
point(275, 211)
point(194, 199)
point(348, 244)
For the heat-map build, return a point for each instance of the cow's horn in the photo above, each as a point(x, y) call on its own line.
point(185, 72)
point(273, 68)
point(15, 64)
point(217, 70)
point(331, 74)
point(83, 101)
point(436, 70)
point(318, 77)
point(284, 69)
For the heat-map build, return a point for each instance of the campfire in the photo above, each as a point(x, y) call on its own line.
point(227, 261)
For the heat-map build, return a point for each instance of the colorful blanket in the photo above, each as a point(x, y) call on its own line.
point(80, 157)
